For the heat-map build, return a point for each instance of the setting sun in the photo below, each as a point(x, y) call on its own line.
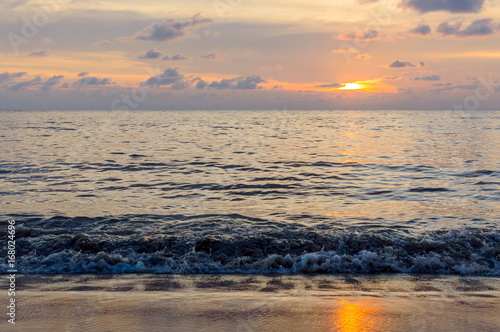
point(352, 86)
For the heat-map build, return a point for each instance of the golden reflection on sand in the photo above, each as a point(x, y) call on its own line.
point(357, 316)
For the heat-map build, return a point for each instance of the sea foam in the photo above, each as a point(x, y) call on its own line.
point(235, 244)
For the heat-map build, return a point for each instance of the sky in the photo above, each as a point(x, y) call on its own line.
point(242, 54)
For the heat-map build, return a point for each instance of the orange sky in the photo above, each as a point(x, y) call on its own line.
point(334, 54)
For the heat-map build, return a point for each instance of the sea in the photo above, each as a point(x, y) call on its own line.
point(251, 192)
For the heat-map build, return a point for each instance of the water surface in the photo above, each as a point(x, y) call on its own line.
point(225, 176)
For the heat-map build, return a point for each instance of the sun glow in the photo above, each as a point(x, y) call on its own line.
point(351, 86)
point(356, 316)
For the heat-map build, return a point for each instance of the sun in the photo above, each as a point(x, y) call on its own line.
point(367, 86)
point(351, 86)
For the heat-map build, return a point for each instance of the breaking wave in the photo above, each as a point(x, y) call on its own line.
point(237, 244)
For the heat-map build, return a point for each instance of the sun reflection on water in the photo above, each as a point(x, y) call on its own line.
point(356, 316)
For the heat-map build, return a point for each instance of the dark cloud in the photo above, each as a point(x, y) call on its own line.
point(175, 57)
point(201, 84)
point(93, 81)
point(54, 80)
point(40, 53)
point(421, 30)
point(465, 87)
point(331, 85)
point(212, 55)
point(179, 85)
point(151, 54)
point(449, 87)
point(360, 35)
point(428, 78)
point(10, 76)
point(364, 56)
point(23, 85)
point(83, 74)
point(452, 6)
point(170, 77)
point(401, 64)
point(447, 29)
point(480, 27)
point(241, 83)
point(170, 29)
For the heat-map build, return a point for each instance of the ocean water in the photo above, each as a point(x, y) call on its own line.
point(252, 191)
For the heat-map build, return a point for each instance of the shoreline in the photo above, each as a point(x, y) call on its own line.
point(140, 302)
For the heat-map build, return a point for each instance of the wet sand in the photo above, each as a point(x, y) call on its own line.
point(254, 303)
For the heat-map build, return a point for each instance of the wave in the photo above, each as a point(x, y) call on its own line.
point(238, 244)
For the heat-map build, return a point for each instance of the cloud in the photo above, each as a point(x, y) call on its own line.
point(54, 80)
point(10, 76)
point(179, 85)
point(363, 56)
point(23, 85)
point(400, 64)
point(170, 77)
point(466, 87)
point(201, 84)
point(83, 74)
point(344, 51)
point(428, 78)
point(447, 29)
point(212, 55)
point(239, 83)
point(40, 53)
point(441, 84)
point(93, 81)
point(366, 2)
point(451, 6)
point(352, 52)
point(448, 87)
point(371, 34)
point(330, 85)
point(151, 54)
point(421, 30)
point(175, 57)
point(170, 29)
point(480, 27)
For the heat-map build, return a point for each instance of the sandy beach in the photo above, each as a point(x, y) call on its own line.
point(255, 303)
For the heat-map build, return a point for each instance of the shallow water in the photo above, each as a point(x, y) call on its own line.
point(220, 179)
point(258, 303)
